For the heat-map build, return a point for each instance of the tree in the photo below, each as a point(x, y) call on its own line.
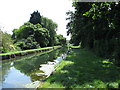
point(30, 36)
point(35, 18)
point(7, 43)
point(96, 26)
point(60, 40)
point(51, 27)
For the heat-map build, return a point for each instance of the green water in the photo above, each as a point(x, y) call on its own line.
point(20, 72)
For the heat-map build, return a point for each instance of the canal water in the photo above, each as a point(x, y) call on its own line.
point(21, 72)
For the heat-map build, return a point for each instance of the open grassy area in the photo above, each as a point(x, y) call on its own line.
point(27, 50)
point(82, 69)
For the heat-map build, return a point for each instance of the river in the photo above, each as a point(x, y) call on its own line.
point(21, 72)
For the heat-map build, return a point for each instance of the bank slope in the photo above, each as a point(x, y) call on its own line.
point(82, 69)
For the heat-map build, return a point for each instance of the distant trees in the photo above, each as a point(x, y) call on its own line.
point(6, 43)
point(96, 26)
point(60, 40)
point(51, 27)
point(38, 32)
point(30, 36)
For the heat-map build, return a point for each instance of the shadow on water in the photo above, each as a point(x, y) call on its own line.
point(26, 67)
point(86, 71)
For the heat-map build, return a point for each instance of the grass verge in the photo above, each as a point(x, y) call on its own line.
point(27, 50)
point(82, 69)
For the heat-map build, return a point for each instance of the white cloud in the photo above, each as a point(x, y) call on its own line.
point(15, 12)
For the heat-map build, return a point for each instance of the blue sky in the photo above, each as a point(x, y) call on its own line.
point(15, 13)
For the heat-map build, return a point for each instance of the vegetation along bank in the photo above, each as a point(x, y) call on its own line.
point(26, 52)
point(96, 27)
point(83, 69)
point(34, 34)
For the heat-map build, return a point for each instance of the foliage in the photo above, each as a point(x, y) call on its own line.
point(7, 43)
point(38, 32)
point(96, 26)
point(30, 36)
point(35, 18)
point(60, 40)
point(51, 27)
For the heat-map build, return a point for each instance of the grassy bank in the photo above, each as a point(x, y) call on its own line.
point(27, 50)
point(82, 69)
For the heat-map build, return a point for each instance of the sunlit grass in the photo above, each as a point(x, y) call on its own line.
point(71, 46)
point(26, 50)
point(83, 69)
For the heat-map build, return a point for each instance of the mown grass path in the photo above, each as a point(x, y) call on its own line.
point(82, 69)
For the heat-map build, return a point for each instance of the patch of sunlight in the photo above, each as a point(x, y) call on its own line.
point(113, 85)
point(45, 85)
point(88, 86)
point(106, 61)
point(73, 46)
point(64, 63)
point(64, 71)
point(69, 62)
point(99, 84)
point(56, 85)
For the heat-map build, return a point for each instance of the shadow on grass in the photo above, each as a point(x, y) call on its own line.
point(86, 71)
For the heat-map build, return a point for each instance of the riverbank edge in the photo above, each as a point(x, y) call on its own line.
point(52, 72)
point(26, 52)
point(63, 63)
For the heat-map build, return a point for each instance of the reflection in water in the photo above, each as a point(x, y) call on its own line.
point(18, 73)
point(11, 80)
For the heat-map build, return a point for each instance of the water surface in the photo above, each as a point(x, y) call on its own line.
point(21, 72)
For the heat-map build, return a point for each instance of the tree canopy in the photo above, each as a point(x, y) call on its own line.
point(30, 36)
point(38, 32)
point(52, 28)
point(6, 43)
point(96, 26)
point(35, 18)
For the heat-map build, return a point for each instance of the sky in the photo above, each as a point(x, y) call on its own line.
point(14, 13)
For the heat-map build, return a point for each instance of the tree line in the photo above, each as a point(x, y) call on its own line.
point(96, 26)
point(38, 32)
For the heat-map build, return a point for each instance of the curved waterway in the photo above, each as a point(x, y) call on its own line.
point(25, 72)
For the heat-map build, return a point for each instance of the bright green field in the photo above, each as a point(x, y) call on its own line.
point(82, 69)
